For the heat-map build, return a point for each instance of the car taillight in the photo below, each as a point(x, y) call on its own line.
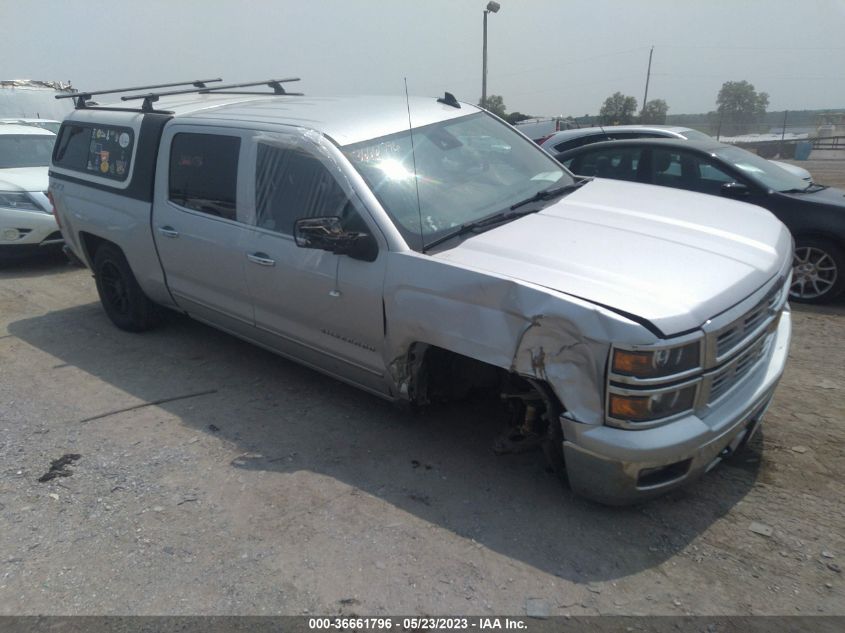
point(53, 207)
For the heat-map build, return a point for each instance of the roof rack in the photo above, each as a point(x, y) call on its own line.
point(80, 98)
point(276, 84)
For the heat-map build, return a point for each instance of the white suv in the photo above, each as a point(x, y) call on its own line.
point(27, 225)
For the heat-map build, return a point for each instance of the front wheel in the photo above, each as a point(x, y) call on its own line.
point(123, 300)
point(818, 271)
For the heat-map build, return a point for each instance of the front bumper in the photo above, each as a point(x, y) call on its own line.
point(23, 233)
point(619, 466)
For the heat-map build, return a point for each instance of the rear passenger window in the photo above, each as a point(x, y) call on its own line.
point(291, 184)
point(98, 150)
point(204, 173)
point(618, 163)
point(580, 142)
point(667, 169)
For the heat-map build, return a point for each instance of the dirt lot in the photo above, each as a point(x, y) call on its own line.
point(216, 478)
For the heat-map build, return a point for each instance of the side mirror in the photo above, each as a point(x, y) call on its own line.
point(328, 234)
point(735, 190)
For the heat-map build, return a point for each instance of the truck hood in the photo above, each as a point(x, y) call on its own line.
point(671, 257)
point(24, 179)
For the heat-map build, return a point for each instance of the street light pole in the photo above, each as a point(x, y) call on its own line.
point(492, 7)
point(647, 77)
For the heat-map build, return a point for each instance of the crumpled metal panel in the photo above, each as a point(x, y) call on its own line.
point(27, 98)
point(554, 349)
point(35, 83)
point(532, 331)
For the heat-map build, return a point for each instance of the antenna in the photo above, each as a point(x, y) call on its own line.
point(414, 158)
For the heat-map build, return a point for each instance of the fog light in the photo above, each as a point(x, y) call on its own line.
point(662, 474)
point(10, 235)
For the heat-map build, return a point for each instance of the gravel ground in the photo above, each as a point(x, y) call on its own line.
point(216, 478)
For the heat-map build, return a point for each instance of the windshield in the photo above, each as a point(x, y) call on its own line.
point(466, 169)
point(763, 172)
point(25, 150)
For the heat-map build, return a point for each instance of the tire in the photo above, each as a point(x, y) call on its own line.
point(123, 300)
point(818, 271)
point(553, 450)
point(553, 441)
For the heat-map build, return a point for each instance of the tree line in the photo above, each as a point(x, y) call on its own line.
point(740, 108)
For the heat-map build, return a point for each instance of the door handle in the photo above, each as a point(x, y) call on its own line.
point(168, 231)
point(261, 259)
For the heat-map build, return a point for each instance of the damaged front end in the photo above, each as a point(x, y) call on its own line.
point(555, 362)
point(544, 353)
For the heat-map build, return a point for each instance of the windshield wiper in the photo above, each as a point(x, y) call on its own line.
point(509, 214)
point(817, 186)
point(808, 189)
point(548, 194)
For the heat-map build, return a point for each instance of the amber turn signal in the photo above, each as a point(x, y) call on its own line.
point(632, 363)
point(629, 407)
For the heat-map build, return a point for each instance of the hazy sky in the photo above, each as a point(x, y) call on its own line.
point(546, 57)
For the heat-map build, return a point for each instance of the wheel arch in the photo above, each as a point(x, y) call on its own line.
point(90, 244)
point(820, 234)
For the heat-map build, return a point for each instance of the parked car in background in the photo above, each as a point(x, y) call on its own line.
point(27, 224)
point(46, 124)
point(815, 214)
point(570, 139)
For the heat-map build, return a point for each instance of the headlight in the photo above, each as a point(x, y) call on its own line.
point(651, 407)
point(19, 201)
point(656, 363)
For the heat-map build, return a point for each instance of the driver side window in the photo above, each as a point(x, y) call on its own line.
point(291, 183)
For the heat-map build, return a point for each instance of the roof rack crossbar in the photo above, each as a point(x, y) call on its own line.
point(253, 92)
point(80, 98)
point(275, 84)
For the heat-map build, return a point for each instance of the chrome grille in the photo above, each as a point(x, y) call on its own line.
point(722, 381)
point(735, 334)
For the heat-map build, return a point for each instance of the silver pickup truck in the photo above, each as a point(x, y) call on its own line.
point(424, 250)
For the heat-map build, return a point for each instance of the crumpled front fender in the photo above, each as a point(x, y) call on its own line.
point(527, 329)
point(555, 350)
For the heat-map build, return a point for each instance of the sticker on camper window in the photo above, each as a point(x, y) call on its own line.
point(101, 150)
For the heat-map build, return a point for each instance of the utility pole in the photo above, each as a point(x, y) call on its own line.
point(484, 66)
point(647, 77)
point(492, 7)
point(783, 135)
